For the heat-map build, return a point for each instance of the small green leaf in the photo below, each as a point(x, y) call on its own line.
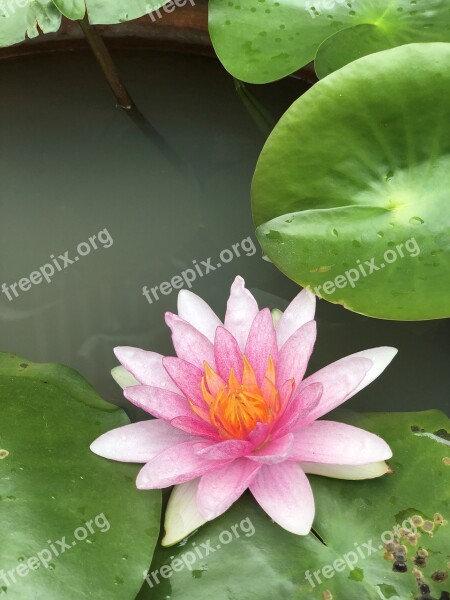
point(52, 487)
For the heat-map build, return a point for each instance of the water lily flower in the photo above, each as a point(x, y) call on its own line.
point(234, 412)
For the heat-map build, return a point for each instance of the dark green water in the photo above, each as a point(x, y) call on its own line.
point(73, 165)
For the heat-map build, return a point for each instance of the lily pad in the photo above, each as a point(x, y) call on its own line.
point(21, 18)
point(245, 556)
point(351, 191)
point(118, 11)
point(72, 525)
point(72, 9)
point(263, 40)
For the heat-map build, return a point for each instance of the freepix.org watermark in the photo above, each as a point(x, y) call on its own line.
point(350, 559)
point(188, 559)
point(167, 8)
point(368, 267)
point(9, 7)
point(57, 264)
point(245, 247)
point(53, 550)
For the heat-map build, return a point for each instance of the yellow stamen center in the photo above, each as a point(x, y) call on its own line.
point(236, 407)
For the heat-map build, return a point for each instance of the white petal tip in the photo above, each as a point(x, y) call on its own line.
point(98, 447)
point(349, 472)
point(121, 352)
point(239, 280)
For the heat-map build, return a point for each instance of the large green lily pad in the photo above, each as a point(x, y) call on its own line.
point(263, 40)
point(257, 560)
point(54, 490)
point(351, 191)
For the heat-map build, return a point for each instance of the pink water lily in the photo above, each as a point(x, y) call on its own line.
point(234, 412)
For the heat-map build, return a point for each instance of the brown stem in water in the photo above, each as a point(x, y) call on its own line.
point(106, 63)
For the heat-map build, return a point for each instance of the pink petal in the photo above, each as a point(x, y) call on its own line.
point(159, 403)
point(242, 308)
point(300, 406)
point(261, 343)
point(283, 491)
point(353, 472)
point(138, 442)
point(175, 465)
point(228, 449)
point(344, 378)
point(195, 426)
point(300, 311)
point(227, 354)
point(187, 378)
point(276, 451)
point(198, 313)
point(339, 380)
point(295, 354)
point(146, 366)
point(259, 434)
point(189, 343)
point(338, 444)
point(220, 488)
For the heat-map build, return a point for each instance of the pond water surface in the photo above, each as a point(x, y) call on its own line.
point(73, 166)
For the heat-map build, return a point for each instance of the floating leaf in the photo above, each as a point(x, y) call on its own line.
point(21, 18)
point(263, 40)
point(119, 11)
point(72, 9)
point(351, 191)
point(54, 490)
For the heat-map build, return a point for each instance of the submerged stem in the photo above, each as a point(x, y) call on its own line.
point(263, 119)
point(106, 63)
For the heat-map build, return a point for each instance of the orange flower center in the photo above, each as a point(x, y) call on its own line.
point(236, 407)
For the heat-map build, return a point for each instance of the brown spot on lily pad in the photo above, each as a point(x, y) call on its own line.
point(439, 576)
point(399, 567)
point(439, 519)
point(412, 538)
point(3, 454)
point(428, 526)
point(443, 433)
point(327, 595)
point(420, 558)
point(446, 461)
point(424, 589)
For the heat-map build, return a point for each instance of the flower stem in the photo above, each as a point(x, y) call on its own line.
point(106, 63)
